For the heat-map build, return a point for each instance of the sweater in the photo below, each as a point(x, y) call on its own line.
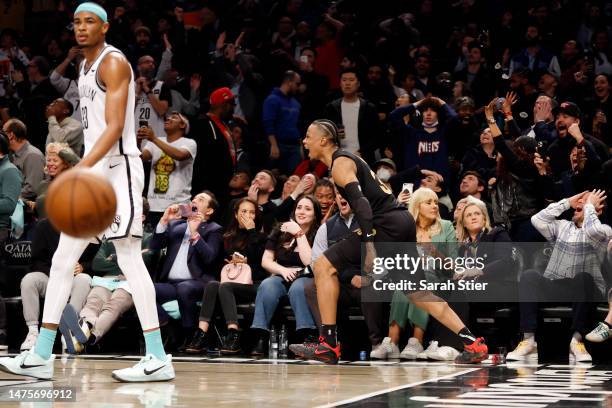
point(281, 114)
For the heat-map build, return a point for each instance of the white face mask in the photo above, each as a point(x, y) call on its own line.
point(383, 174)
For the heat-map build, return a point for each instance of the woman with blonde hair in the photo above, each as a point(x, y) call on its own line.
point(431, 230)
point(473, 230)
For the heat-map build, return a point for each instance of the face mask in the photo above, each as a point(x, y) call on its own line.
point(383, 174)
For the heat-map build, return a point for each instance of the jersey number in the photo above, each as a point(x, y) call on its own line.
point(84, 117)
point(145, 113)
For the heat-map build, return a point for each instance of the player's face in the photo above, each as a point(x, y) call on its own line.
point(313, 141)
point(89, 30)
point(473, 219)
point(304, 212)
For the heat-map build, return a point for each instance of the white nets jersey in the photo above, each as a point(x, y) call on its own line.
point(146, 115)
point(92, 95)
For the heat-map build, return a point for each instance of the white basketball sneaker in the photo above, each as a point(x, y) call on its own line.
point(29, 364)
point(578, 353)
point(385, 350)
point(148, 369)
point(412, 349)
point(527, 350)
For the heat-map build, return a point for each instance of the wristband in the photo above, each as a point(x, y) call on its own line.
point(491, 121)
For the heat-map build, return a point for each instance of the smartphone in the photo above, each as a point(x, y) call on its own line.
point(408, 187)
point(187, 210)
point(143, 123)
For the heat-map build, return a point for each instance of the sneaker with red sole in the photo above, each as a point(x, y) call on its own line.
point(473, 353)
point(320, 352)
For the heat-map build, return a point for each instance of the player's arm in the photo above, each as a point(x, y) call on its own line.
point(344, 174)
point(116, 75)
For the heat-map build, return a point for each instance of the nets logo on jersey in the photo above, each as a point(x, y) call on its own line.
point(87, 91)
point(428, 147)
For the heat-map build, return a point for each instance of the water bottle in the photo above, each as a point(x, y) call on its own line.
point(283, 342)
point(273, 348)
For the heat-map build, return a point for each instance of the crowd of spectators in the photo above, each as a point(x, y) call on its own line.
point(497, 113)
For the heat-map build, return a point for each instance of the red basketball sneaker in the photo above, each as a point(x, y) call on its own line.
point(473, 353)
point(320, 352)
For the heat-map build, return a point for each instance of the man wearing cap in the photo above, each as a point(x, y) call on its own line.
point(569, 136)
point(171, 160)
point(153, 98)
point(215, 164)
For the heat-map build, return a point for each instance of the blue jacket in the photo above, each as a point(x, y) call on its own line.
point(281, 114)
point(203, 257)
point(428, 150)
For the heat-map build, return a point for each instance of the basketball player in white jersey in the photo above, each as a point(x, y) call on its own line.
point(106, 88)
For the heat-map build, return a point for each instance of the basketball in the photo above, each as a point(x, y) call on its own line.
point(81, 203)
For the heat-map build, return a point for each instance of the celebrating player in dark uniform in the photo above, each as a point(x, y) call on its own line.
point(381, 220)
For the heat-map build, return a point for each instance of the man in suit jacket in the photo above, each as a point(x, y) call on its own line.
point(355, 117)
point(194, 246)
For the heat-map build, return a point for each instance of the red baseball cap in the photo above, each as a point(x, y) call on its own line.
point(221, 95)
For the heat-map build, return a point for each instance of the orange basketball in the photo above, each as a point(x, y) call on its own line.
point(80, 203)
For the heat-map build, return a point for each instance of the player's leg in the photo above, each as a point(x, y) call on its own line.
point(156, 366)
point(38, 362)
point(474, 348)
point(328, 290)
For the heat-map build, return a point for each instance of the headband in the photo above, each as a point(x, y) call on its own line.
point(92, 8)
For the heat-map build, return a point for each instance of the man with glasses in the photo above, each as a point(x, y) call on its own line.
point(171, 160)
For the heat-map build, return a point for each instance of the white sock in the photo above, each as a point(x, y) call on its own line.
point(33, 328)
point(530, 337)
point(577, 336)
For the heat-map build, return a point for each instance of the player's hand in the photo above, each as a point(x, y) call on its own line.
point(356, 281)
point(78, 268)
point(573, 200)
point(291, 227)
point(289, 274)
point(274, 152)
point(370, 255)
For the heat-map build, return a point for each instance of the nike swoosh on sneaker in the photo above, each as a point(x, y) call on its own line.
point(147, 372)
point(26, 366)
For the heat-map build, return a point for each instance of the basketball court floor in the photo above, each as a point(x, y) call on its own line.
point(239, 382)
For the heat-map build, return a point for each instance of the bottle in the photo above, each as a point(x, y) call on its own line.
point(273, 348)
point(283, 342)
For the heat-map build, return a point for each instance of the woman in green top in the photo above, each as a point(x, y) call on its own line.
point(431, 228)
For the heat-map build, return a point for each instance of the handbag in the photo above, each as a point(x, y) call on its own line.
point(237, 273)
